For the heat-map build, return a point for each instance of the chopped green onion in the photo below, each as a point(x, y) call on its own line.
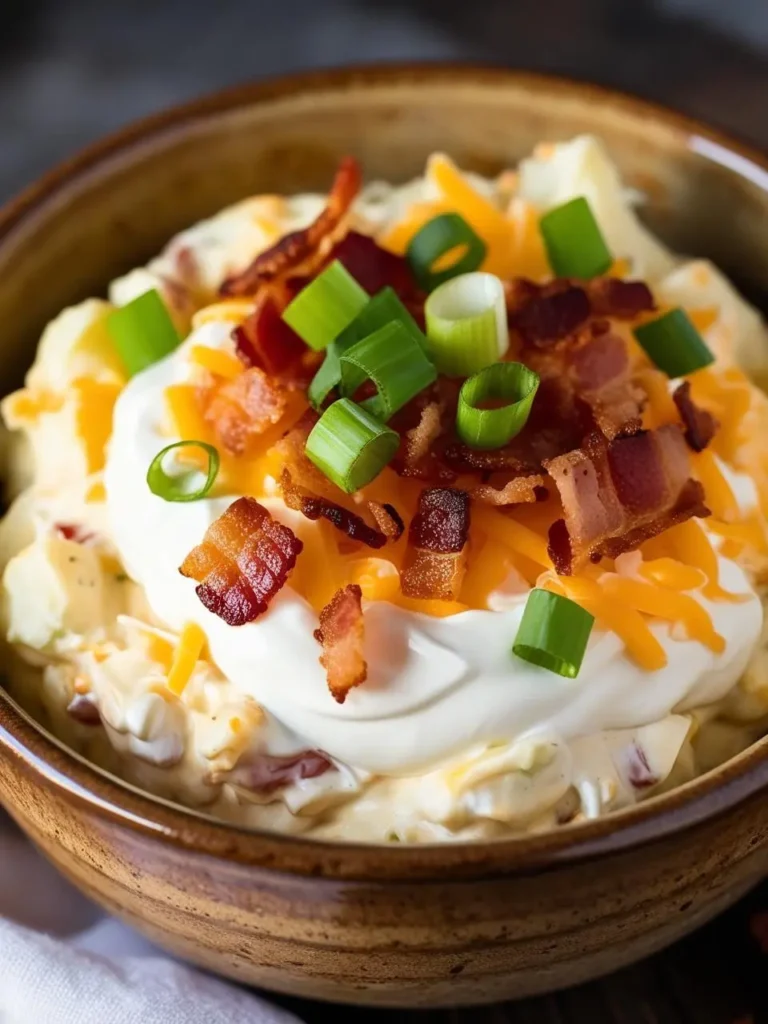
point(574, 242)
point(180, 486)
point(394, 361)
point(322, 309)
point(553, 633)
point(467, 324)
point(493, 427)
point(673, 344)
point(350, 446)
point(438, 237)
point(382, 309)
point(143, 332)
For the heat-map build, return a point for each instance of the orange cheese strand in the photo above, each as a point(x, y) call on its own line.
point(690, 544)
point(665, 604)
point(717, 491)
point(187, 654)
point(317, 575)
point(511, 534)
point(703, 319)
point(529, 256)
point(159, 649)
point(751, 532)
point(673, 574)
point(626, 622)
point(660, 408)
point(488, 567)
point(217, 361)
point(95, 404)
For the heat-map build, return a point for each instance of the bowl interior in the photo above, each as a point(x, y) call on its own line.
point(117, 204)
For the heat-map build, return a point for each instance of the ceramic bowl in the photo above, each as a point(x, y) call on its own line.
point(395, 925)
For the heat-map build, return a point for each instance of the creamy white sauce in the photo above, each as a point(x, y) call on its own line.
point(436, 686)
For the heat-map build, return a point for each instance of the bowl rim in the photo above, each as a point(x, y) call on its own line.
point(38, 753)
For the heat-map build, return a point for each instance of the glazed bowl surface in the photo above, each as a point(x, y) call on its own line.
point(391, 925)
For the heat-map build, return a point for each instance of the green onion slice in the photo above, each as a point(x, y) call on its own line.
point(553, 633)
point(185, 483)
point(143, 332)
point(574, 242)
point(350, 446)
point(384, 308)
point(511, 383)
point(467, 324)
point(394, 361)
point(437, 238)
point(322, 310)
point(673, 344)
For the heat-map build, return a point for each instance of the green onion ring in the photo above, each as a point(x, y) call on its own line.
point(438, 236)
point(553, 633)
point(142, 331)
point(574, 242)
point(493, 428)
point(175, 487)
point(350, 446)
point(672, 342)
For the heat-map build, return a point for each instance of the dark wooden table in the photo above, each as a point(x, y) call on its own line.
point(719, 975)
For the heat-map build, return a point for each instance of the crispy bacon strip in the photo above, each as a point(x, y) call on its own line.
point(341, 634)
point(602, 376)
point(265, 340)
point(549, 317)
point(294, 252)
point(388, 519)
point(315, 506)
point(437, 545)
point(266, 773)
point(518, 490)
point(624, 300)
point(616, 494)
point(244, 559)
point(372, 267)
point(241, 409)
point(700, 425)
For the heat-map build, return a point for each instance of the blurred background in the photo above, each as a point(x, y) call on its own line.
point(71, 70)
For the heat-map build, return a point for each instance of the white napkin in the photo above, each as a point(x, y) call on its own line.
point(63, 962)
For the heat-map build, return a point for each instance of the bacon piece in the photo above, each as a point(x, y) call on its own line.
point(624, 300)
point(341, 634)
point(295, 252)
point(640, 775)
point(550, 317)
point(437, 545)
point(518, 490)
point(700, 425)
point(372, 267)
point(601, 374)
point(241, 409)
point(265, 340)
point(83, 709)
point(75, 532)
point(314, 506)
point(265, 773)
point(617, 494)
point(244, 559)
point(388, 519)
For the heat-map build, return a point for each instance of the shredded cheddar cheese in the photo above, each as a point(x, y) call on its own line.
point(216, 361)
point(187, 654)
point(234, 311)
point(95, 404)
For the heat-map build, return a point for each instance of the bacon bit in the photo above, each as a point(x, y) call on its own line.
point(610, 296)
point(82, 708)
point(437, 545)
point(372, 267)
point(240, 410)
point(294, 253)
point(265, 773)
point(341, 635)
point(518, 490)
point(245, 558)
point(265, 340)
point(640, 775)
point(74, 532)
point(549, 318)
point(601, 371)
point(620, 493)
point(388, 519)
point(315, 507)
point(700, 425)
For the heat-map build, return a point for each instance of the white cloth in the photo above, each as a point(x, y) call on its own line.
point(62, 962)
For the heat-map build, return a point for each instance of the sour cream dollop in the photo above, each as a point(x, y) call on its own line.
point(436, 686)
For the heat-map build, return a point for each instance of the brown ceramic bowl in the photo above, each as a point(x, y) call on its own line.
point(417, 926)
